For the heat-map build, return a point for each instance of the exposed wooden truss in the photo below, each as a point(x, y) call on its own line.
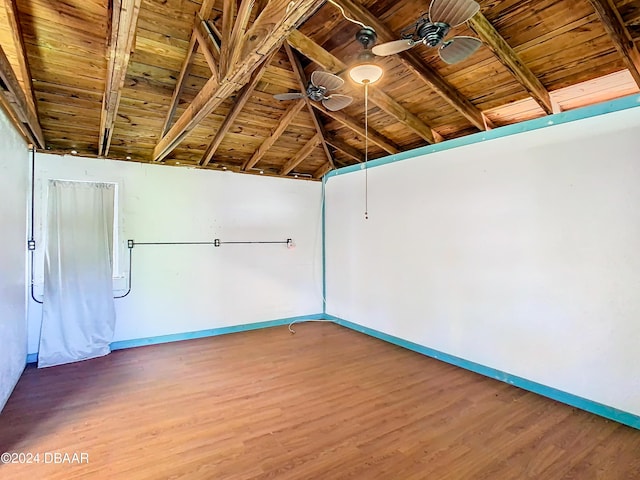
point(241, 101)
point(303, 153)
point(200, 34)
point(272, 26)
point(21, 53)
point(510, 59)
point(615, 27)
point(14, 101)
point(327, 61)
point(124, 20)
point(413, 63)
point(286, 119)
point(355, 126)
point(302, 83)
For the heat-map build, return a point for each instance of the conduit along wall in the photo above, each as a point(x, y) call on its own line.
point(518, 253)
point(186, 231)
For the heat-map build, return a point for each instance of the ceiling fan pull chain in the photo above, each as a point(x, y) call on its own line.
point(366, 150)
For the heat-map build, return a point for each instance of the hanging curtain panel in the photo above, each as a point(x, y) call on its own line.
point(78, 314)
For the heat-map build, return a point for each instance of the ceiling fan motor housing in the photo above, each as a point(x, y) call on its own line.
point(316, 92)
point(366, 37)
point(432, 33)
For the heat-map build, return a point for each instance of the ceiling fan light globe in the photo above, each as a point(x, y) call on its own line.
point(366, 73)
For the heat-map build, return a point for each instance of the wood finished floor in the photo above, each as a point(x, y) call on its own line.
point(325, 403)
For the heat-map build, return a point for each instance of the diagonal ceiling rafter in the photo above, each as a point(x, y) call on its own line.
point(414, 64)
point(238, 105)
point(619, 34)
point(196, 36)
point(272, 26)
point(284, 122)
point(302, 83)
point(14, 101)
point(13, 17)
point(327, 61)
point(510, 59)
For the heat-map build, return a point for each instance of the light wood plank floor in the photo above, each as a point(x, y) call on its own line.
point(327, 403)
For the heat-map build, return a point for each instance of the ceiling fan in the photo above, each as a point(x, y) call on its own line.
point(320, 84)
point(431, 29)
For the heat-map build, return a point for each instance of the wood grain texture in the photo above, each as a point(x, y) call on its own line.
point(325, 403)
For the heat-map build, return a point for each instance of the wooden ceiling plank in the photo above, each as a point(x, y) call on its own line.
point(274, 24)
point(619, 34)
point(21, 52)
point(377, 97)
point(284, 122)
point(302, 82)
point(15, 102)
point(510, 59)
point(322, 171)
point(414, 64)
point(355, 126)
point(124, 22)
point(205, 11)
point(345, 148)
point(303, 153)
point(238, 105)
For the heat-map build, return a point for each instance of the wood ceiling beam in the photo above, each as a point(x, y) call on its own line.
point(416, 66)
point(268, 31)
point(228, 21)
point(239, 29)
point(302, 83)
point(205, 11)
point(238, 105)
point(510, 59)
point(14, 101)
point(377, 97)
point(208, 45)
point(322, 171)
point(13, 18)
point(619, 34)
point(303, 153)
point(345, 148)
point(355, 126)
point(283, 124)
point(124, 20)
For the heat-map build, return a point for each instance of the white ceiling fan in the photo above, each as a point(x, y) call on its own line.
point(321, 83)
point(431, 29)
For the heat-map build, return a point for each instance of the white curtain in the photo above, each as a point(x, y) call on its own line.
point(78, 314)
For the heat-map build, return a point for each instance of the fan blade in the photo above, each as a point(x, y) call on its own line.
point(326, 80)
point(390, 48)
point(289, 96)
point(458, 48)
point(452, 12)
point(336, 102)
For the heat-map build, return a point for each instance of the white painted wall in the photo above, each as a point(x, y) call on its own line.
point(14, 173)
point(178, 289)
point(520, 253)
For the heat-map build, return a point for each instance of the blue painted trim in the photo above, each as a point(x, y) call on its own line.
point(324, 248)
point(212, 332)
point(550, 392)
point(624, 103)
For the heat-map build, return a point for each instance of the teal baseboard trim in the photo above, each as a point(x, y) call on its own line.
point(212, 332)
point(624, 103)
point(605, 411)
